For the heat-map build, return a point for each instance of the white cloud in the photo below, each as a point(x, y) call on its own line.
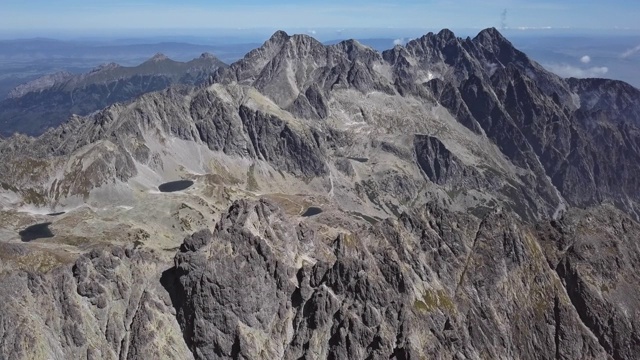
point(535, 28)
point(566, 71)
point(630, 52)
point(312, 32)
point(585, 59)
point(399, 41)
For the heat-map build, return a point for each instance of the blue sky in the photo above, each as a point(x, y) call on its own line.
point(287, 14)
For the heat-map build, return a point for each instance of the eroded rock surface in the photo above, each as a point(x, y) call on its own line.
point(108, 305)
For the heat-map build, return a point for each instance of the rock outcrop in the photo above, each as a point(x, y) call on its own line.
point(108, 305)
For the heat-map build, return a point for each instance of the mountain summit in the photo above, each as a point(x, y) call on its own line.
point(158, 57)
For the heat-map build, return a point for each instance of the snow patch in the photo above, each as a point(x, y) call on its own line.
point(492, 68)
point(576, 100)
point(8, 198)
point(330, 180)
point(429, 76)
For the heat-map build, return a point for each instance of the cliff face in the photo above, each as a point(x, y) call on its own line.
point(108, 305)
point(446, 199)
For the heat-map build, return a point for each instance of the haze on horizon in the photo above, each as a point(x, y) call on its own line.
point(37, 17)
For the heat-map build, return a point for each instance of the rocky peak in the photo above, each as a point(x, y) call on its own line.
point(297, 71)
point(397, 54)
point(489, 47)
point(158, 57)
point(205, 62)
point(433, 41)
point(355, 50)
point(104, 67)
point(443, 48)
point(300, 47)
point(446, 35)
point(490, 36)
point(278, 37)
point(351, 45)
point(493, 47)
point(247, 69)
point(207, 55)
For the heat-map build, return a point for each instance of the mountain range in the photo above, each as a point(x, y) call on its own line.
point(50, 100)
point(449, 198)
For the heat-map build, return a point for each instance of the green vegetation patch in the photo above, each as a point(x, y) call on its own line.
point(432, 300)
point(31, 196)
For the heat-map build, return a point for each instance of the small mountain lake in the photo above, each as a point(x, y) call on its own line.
point(312, 210)
point(37, 231)
point(57, 213)
point(173, 186)
point(358, 159)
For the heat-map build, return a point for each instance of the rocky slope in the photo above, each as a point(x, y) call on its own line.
point(46, 102)
point(428, 284)
point(446, 199)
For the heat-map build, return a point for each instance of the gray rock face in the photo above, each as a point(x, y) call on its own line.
point(299, 154)
point(474, 289)
point(439, 164)
point(108, 305)
point(261, 281)
point(593, 254)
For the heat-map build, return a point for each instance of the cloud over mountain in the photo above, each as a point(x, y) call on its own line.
point(568, 71)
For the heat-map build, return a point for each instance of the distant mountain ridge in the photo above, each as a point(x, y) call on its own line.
point(33, 107)
point(39, 84)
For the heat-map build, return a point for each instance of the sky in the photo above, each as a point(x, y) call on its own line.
point(93, 15)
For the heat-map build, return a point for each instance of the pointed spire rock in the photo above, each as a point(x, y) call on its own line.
point(496, 48)
point(278, 37)
point(446, 34)
point(490, 37)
